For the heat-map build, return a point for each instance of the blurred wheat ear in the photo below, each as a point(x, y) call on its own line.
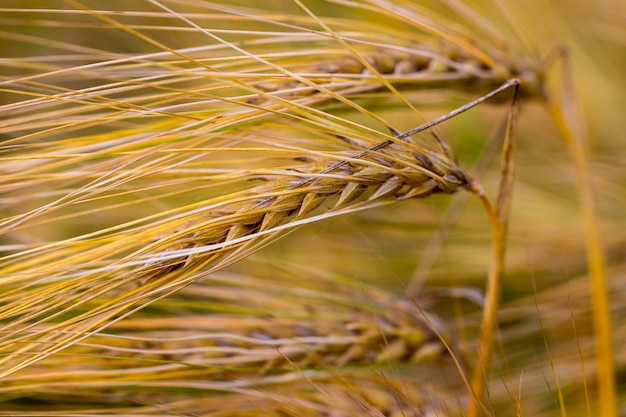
point(169, 140)
point(278, 334)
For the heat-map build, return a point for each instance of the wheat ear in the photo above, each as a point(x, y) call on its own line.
point(230, 350)
point(250, 331)
point(393, 171)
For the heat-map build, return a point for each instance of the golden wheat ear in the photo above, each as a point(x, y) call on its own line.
point(212, 236)
point(277, 203)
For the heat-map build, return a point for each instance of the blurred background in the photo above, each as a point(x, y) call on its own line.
point(546, 331)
